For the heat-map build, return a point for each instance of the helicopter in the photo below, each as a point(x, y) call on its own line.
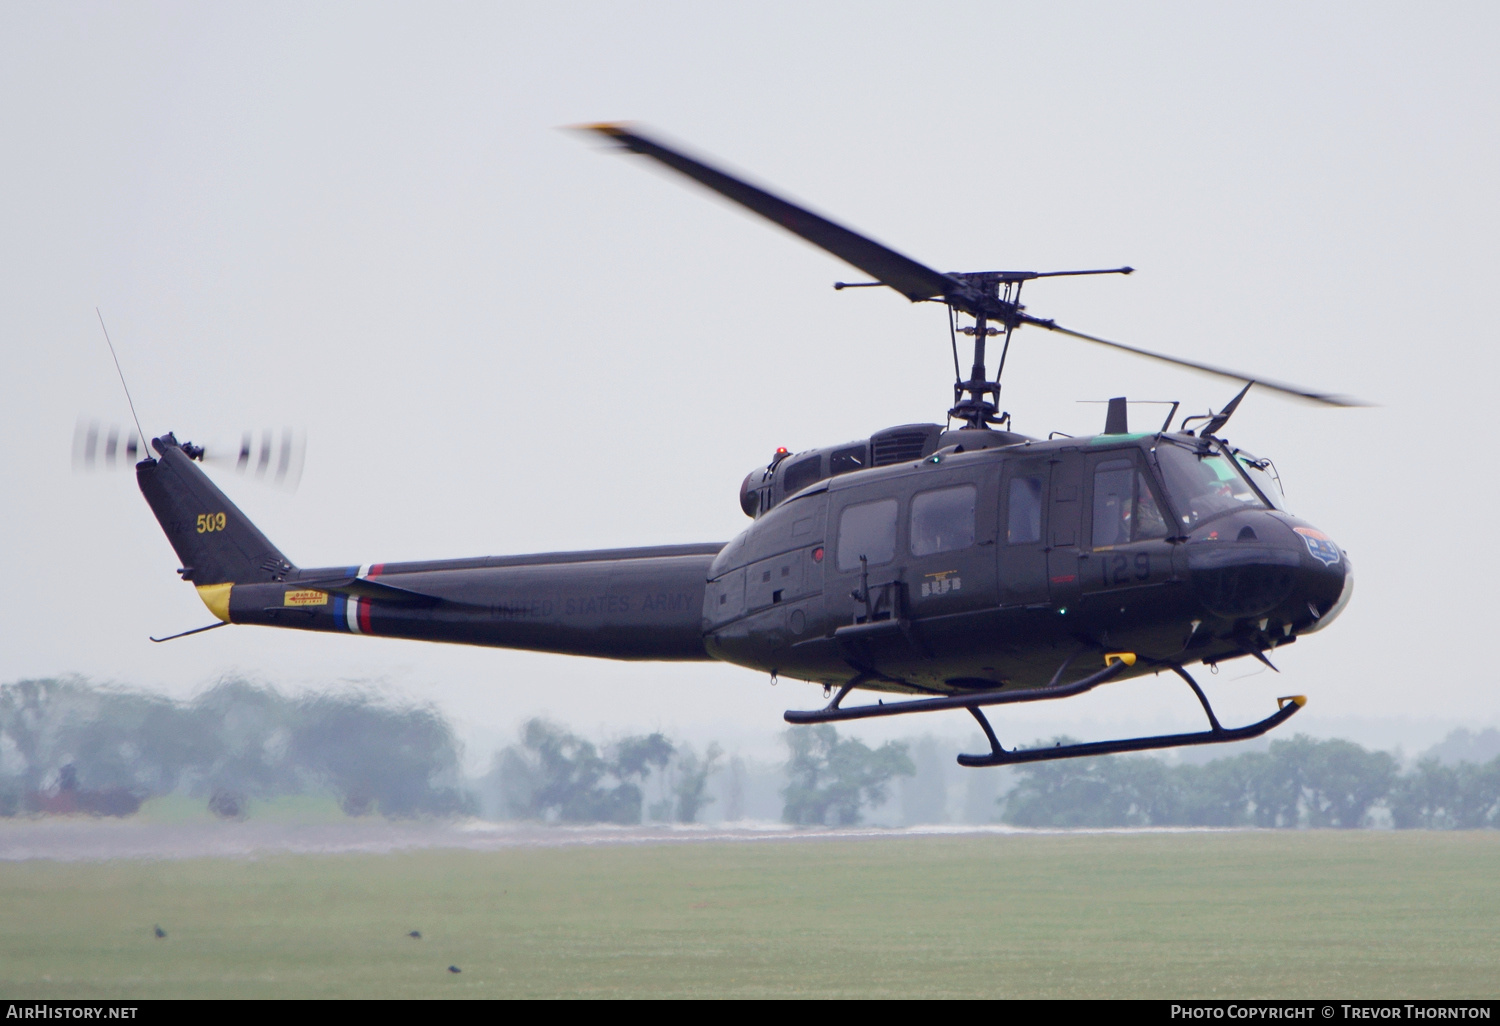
point(961, 567)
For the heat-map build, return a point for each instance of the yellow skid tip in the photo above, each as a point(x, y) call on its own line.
point(1128, 658)
point(1300, 701)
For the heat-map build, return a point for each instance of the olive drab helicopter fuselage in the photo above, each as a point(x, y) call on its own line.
point(959, 568)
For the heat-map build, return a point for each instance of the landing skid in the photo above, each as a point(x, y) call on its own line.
point(1287, 707)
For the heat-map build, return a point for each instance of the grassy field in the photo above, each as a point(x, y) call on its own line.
point(1287, 914)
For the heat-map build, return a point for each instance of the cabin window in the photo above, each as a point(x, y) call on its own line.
point(1124, 509)
point(1023, 525)
point(845, 460)
point(802, 473)
point(868, 530)
point(942, 520)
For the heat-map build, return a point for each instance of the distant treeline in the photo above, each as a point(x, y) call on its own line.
point(833, 779)
point(72, 746)
point(555, 776)
point(68, 745)
point(1300, 782)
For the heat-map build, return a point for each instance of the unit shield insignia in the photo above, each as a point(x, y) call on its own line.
point(1319, 544)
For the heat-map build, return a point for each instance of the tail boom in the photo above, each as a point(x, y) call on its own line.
point(630, 604)
point(644, 603)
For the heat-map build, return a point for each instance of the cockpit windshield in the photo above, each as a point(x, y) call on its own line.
point(1202, 486)
point(1262, 473)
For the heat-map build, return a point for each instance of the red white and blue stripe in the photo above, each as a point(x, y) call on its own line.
point(351, 613)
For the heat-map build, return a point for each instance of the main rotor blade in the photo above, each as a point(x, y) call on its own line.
point(1275, 386)
point(913, 280)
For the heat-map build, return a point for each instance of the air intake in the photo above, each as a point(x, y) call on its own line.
point(904, 444)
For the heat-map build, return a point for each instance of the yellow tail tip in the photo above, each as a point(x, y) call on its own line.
point(216, 598)
point(1298, 700)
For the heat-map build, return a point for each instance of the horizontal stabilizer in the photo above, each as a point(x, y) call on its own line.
point(375, 591)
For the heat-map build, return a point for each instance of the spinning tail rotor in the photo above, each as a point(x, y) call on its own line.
point(275, 457)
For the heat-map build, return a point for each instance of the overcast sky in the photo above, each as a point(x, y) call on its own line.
point(362, 220)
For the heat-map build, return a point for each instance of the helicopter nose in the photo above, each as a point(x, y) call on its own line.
point(1261, 566)
point(1328, 583)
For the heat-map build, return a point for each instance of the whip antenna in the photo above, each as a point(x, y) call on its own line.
point(145, 442)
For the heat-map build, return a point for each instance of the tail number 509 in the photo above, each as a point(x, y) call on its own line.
point(210, 522)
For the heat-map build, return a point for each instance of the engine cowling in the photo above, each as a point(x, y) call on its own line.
point(788, 473)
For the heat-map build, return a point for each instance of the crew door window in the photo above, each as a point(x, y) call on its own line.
point(1124, 509)
point(869, 530)
point(1023, 523)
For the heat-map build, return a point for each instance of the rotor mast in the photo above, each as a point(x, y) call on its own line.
point(979, 409)
point(987, 296)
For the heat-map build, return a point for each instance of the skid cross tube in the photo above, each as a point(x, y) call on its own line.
point(1287, 707)
point(832, 713)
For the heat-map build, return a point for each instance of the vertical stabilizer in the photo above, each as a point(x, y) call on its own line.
point(217, 544)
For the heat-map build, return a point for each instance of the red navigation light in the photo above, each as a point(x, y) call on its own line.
point(818, 554)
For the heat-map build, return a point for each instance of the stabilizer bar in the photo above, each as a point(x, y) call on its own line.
point(195, 630)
